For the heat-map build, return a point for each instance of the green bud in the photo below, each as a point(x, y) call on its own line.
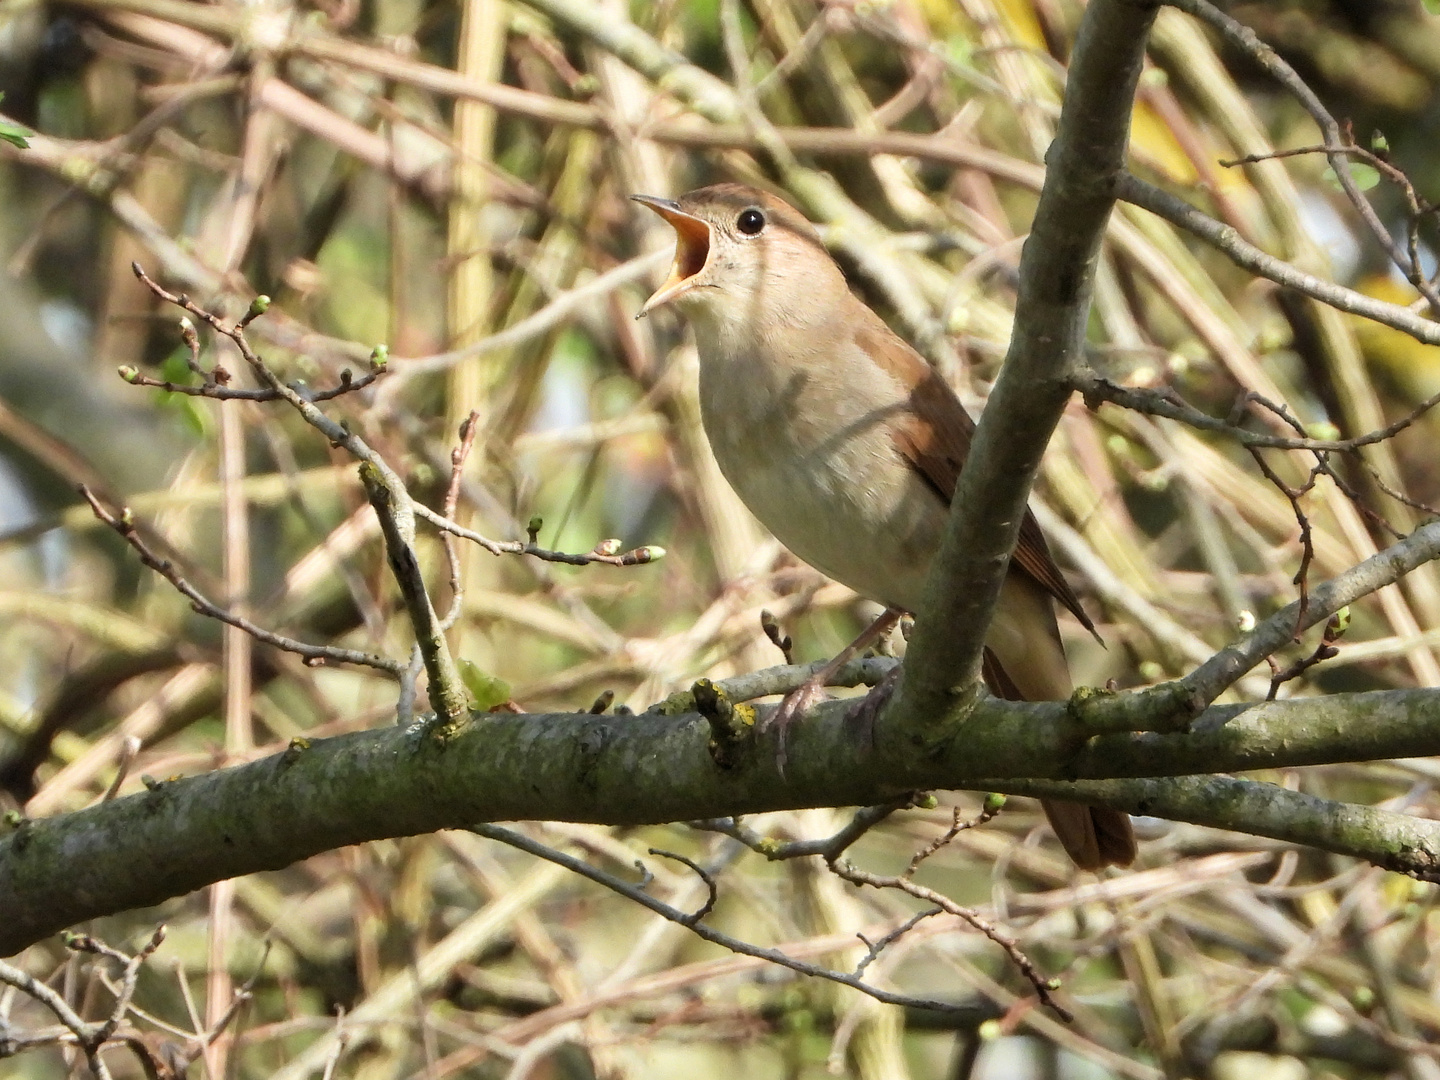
point(994, 802)
point(129, 374)
point(1339, 623)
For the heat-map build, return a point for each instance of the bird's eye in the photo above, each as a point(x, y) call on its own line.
point(750, 221)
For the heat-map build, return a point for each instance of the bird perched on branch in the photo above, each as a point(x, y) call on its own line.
point(847, 445)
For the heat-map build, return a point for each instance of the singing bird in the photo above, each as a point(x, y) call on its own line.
point(847, 445)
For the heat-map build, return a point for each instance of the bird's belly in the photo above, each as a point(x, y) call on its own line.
point(852, 515)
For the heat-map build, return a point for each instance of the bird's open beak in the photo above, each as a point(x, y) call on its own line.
point(692, 249)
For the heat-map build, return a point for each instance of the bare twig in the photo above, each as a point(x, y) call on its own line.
point(1044, 987)
point(879, 945)
point(711, 886)
point(1338, 147)
point(1185, 698)
point(386, 491)
point(639, 896)
point(1228, 240)
point(606, 552)
point(212, 388)
point(1164, 401)
point(452, 498)
point(1335, 628)
point(92, 1038)
point(124, 524)
point(830, 848)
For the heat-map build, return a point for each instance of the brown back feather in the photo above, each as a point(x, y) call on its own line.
point(934, 435)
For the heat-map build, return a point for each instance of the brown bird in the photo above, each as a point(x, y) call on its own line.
point(847, 445)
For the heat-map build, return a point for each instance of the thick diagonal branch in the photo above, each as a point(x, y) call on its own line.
point(180, 835)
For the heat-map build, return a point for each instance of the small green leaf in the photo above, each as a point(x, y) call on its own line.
point(14, 134)
point(176, 369)
point(1365, 176)
point(486, 691)
point(1378, 142)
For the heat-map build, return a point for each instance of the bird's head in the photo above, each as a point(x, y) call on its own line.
point(743, 255)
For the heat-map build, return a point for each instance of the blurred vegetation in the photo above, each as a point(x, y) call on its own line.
point(313, 152)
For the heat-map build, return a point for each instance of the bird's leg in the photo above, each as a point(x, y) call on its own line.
point(812, 690)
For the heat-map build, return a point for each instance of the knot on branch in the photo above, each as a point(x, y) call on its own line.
point(732, 726)
point(298, 745)
point(1169, 707)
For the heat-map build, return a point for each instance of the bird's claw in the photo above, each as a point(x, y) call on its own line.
point(794, 705)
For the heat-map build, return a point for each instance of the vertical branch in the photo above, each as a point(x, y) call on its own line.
point(235, 526)
point(1057, 270)
point(397, 523)
point(479, 56)
point(236, 222)
point(236, 658)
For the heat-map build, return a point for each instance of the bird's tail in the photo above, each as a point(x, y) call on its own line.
point(1093, 836)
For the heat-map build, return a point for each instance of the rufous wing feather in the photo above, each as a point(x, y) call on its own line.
point(934, 435)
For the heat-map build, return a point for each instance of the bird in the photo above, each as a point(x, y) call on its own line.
point(847, 445)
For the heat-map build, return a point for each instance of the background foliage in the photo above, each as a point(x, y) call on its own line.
point(317, 154)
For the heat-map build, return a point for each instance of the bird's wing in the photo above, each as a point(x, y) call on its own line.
point(933, 435)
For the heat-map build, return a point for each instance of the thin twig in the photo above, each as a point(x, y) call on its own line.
point(1335, 628)
point(124, 524)
point(831, 847)
point(1165, 402)
point(639, 896)
point(1338, 147)
point(713, 889)
point(383, 487)
point(452, 498)
point(606, 552)
point(1226, 239)
point(1044, 987)
point(220, 392)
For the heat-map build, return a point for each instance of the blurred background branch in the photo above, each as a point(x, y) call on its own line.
point(451, 181)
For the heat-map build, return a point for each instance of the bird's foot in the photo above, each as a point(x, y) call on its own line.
point(812, 690)
point(792, 706)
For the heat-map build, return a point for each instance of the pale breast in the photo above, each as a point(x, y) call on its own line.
point(816, 463)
